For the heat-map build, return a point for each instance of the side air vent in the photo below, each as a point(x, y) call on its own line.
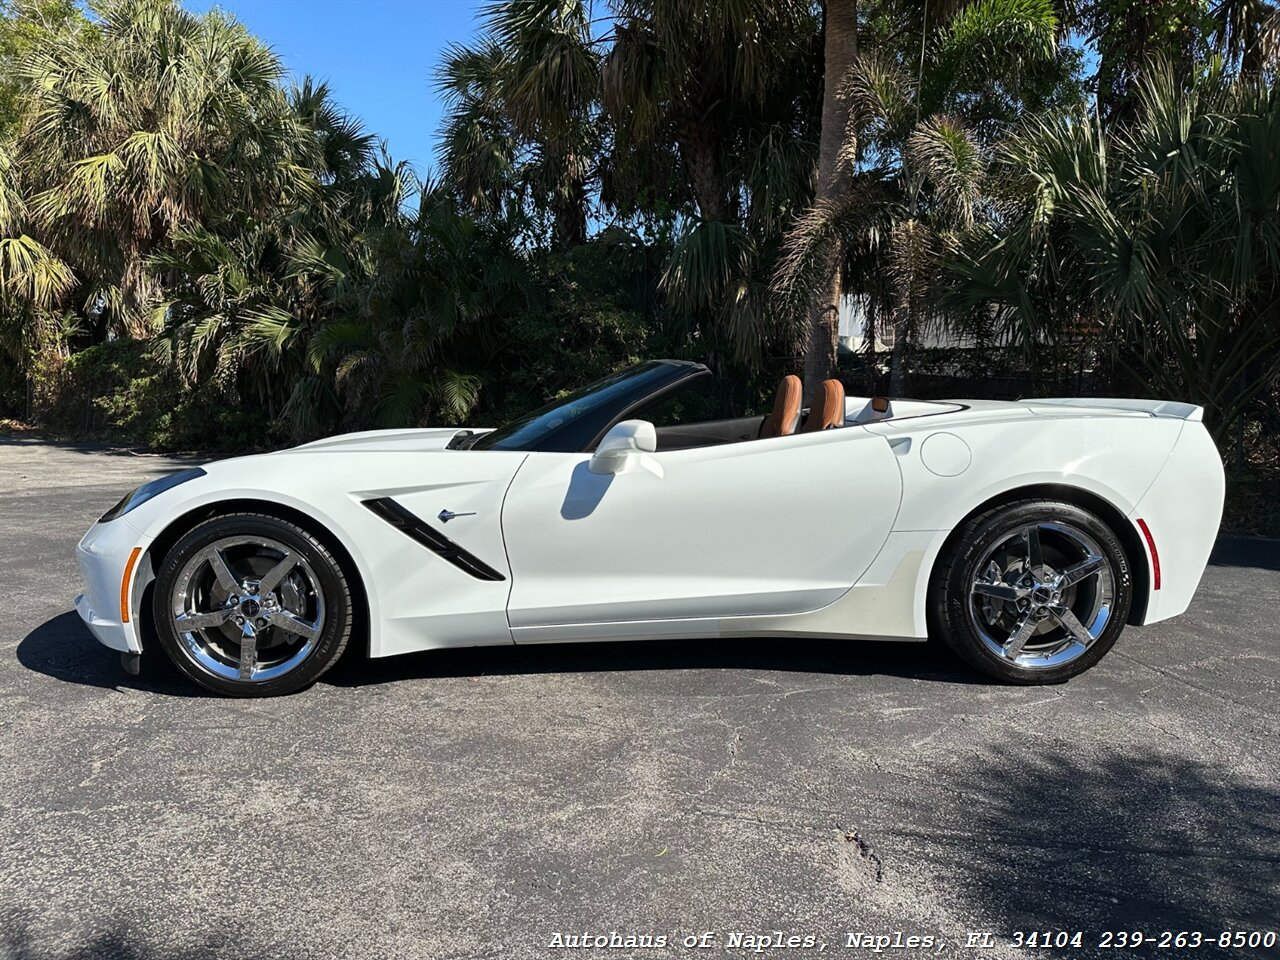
point(414, 526)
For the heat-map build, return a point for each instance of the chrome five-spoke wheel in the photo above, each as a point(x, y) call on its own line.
point(248, 609)
point(251, 604)
point(1042, 595)
point(1034, 591)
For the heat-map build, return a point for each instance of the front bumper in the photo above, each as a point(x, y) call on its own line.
point(103, 553)
point(110, 633)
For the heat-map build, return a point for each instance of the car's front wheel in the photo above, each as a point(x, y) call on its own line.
point(251, 605)
point(1032, 592)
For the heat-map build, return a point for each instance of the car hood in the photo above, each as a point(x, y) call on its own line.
point(408, 441)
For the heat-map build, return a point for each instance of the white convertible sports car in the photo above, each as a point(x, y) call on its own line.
point(1025, 535)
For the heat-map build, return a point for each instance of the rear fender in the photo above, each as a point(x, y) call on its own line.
point(1181, 512)
point(1115, 459)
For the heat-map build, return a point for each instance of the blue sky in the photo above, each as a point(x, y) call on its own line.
point(378, 56)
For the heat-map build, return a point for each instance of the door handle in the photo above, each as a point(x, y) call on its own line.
point(444, 516)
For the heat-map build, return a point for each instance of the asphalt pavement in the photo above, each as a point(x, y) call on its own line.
point(485, 803)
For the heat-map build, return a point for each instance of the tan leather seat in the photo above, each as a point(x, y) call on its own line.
point(786, 408)
point(827, 410)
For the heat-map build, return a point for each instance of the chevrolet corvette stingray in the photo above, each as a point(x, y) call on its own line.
point(1025, 535)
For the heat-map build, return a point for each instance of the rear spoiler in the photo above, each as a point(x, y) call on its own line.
point(1156, 408)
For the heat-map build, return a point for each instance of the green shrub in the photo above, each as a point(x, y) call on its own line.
point(13, 389)
point(586, 320)
point(118, 392)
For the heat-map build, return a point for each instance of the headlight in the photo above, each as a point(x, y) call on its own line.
point(135, 498)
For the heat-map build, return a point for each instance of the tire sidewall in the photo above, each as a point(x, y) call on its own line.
point(977, 537)
point(337, 600)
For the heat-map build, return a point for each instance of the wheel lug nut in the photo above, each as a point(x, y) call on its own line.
point(260, 622)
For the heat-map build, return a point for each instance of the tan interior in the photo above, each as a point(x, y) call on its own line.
point(786, 408)
point(827, 410)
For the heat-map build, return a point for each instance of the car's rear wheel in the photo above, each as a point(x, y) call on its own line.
point(1032, 592)
point(251, 605)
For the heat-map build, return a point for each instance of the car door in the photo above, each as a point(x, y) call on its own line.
point(775, 526)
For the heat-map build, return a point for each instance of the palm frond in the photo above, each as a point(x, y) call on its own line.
point(942, 153)
point(30, 272)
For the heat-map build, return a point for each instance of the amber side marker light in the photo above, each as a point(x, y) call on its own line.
point(1155, 557)
point(125, 581)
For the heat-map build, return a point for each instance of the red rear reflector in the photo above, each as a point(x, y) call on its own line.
point(125, 581)
point(1155, 557)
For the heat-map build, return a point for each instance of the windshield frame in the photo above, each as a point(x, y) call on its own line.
point(626, 391)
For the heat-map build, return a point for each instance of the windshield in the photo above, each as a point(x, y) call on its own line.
point(575, 422)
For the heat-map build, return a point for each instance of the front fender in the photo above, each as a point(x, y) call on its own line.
point(415, 599)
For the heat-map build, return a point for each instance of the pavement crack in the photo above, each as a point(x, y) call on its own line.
point(867, 853)
point(735, 746)
point(1169, 674)
point(96, 766)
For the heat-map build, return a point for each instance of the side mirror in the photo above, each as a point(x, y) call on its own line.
point(626, 448)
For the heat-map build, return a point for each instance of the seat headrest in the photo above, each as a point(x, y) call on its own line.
point(786, 408)
point(827, 410)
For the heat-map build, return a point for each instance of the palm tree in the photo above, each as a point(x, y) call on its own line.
point(523, 110)
point(549, 85)
point(1133, 36)
point(1128, 34)
point(840, 30)
point(688, 74)
point(415, 304)
point(242, 294)
point(146, 122)
point(714, 112)
point(923, 102)
point(479, 145)
point(31, 275)
point(26, 25)
point(1165, 238)
point(705, 134)
point(1247, 34)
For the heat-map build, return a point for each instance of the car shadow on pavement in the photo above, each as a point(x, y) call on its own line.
point(64, 649)
point(917, 661)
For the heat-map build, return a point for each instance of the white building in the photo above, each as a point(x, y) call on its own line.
point(853, 331)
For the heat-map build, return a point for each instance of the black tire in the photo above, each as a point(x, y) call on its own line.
point(961, 617)
point(322, 588)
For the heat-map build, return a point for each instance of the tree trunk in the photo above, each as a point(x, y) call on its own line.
point(1131, 35)
point(1252, 60)
point(898, 359)
point(871, 349)
point(698, 151)
point(840, 46)
point(570, 214)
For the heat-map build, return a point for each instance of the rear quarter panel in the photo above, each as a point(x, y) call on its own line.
point(1116, 457)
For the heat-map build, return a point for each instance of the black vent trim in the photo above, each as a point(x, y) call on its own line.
point(414, 526)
